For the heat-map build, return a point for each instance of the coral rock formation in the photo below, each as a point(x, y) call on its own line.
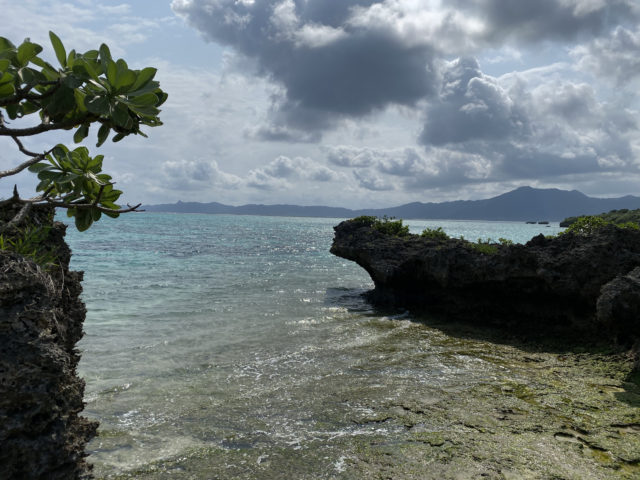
point(581, 284)
point(42, 435)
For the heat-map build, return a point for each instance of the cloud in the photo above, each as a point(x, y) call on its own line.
point(196, 174)
point(344, 59)
point(371, 180)
point(548, 20)
point(280, 172)
point(471, 106)
point(329, 68)
point(507, 129)
point(615, 57)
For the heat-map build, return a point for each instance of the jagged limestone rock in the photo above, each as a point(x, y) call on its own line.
point(42, 433)
point(548, 284)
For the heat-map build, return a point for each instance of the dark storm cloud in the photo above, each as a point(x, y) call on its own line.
point(329, 68)
point(553, 129)
point(471, 106)
point(540, 20)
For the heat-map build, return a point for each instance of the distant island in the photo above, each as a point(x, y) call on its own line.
point(521, 204)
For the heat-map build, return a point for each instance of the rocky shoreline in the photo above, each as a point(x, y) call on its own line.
point(42, 433)
point(587, 285)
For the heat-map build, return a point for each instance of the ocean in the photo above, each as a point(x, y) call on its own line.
point(221, 346)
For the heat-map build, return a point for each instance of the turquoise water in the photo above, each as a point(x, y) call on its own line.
point(214, 342)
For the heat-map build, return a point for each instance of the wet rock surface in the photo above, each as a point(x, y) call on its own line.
point(549, 284)
point(42, 433)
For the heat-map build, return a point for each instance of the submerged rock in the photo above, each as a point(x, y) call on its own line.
point(42, 433)
point(554, 283)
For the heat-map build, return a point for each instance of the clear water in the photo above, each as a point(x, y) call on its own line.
point(242, 334)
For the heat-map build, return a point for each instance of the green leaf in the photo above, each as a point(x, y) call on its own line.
point(39, 167)
point(120, 114)
point(83, 220)
point(12, 111)
point(81, 133)
point(151, 86)
point(6, 90)
point(144, 100)
point(143, 77)
point(111, 70)
point(80, 99)
point(105, 56)
point(47, 67)
point(103, 133)
point(28, 108)
point(89, 68)
point(5, 44)
point(97, 104)
point(61, 102)
point(145, 110)
point(27, 51)
point(72, 81)
point(30, 76)
point(71, 59)
point(6, 78)
point(163, 98)
point(4, 64)
point(61, 54)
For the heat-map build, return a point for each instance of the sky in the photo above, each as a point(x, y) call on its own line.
point(361, 103)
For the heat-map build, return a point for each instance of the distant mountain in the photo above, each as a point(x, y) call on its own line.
point(522, 204)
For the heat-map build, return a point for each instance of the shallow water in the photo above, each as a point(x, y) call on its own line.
point(238, 347)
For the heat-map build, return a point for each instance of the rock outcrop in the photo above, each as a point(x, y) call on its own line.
point(579, 284)
point(42, 435)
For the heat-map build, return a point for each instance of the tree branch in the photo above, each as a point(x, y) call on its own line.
point(44, 127)
point(91, 205)
point(36, 157)
point(23, 94)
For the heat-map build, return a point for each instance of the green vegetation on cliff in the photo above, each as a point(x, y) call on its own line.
point(589, 224)
point(386, 225)
point(617, 217)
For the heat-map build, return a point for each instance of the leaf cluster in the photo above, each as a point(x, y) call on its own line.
point(590, 224)
point(435, 234)
point(75, 177)
point(85, 88)
point(386, 225)
point(29, 243)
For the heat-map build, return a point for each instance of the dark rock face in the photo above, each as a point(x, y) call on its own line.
point(618, 307)
point(552, 283)
point(42, 435)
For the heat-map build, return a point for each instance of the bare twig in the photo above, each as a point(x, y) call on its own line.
point(25, 151)
point(36, 157)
